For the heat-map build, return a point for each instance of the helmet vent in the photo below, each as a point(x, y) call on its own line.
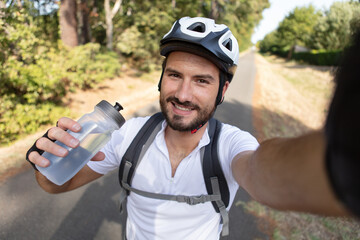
point(197, 27)
point(228, 44)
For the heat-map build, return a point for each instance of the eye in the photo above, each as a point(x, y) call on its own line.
point(174, 75)
point(202, 81)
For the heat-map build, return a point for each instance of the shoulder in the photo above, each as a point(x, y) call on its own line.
point(134, 124)
point(118, 144)
point(231, 142)
point(232, 135)
point(129, 130)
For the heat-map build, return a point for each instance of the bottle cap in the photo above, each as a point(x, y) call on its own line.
point(112, 111)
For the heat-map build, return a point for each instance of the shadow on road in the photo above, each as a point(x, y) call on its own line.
point(95, 214)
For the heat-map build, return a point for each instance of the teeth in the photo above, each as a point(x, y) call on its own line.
point(181, 108)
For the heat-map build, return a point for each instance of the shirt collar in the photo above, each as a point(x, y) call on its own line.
point(205, 139)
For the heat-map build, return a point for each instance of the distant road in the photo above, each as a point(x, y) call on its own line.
point(27, 212)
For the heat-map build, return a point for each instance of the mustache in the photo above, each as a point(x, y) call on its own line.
point(185, 104)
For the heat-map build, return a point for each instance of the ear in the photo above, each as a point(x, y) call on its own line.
point(226, 85)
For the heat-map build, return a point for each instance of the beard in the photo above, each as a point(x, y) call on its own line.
point(176, 122)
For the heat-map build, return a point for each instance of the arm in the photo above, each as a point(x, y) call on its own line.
point(289, 174)
point(85, 175)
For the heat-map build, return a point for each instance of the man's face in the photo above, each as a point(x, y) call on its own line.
point(188, 90)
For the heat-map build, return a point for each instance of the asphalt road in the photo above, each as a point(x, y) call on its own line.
point(27, 212)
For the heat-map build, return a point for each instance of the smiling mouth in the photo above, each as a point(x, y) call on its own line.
point(182, 108)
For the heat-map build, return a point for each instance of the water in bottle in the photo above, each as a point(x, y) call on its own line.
point(96, 130)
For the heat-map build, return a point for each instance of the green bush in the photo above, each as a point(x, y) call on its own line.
point(139, 41)
point(319, 57)
point(31, 94)
point(86, 65)
point(36, 75)
point(17, 119)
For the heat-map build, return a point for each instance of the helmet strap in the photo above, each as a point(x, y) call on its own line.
point(162, 73)
point(219, 97)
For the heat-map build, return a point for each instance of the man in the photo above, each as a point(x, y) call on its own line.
point(201, 58)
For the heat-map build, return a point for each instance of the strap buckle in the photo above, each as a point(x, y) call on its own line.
point(193, 200)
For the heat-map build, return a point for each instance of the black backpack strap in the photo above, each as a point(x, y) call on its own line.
point(136, 148)
point(214, 177)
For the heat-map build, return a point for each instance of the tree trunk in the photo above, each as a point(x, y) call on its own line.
point(84, 12)
point(109, 25)
point(109, 15)
point(214, 12)
point(68, 23)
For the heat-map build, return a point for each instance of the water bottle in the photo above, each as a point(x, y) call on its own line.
point(96, 130)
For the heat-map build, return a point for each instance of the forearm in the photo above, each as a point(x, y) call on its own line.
point(289, 174)
point(50, 187)
point(84, 176)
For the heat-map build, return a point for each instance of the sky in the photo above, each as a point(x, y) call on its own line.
point(279, 9)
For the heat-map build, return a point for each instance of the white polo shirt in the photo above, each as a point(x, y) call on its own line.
point(160, 219)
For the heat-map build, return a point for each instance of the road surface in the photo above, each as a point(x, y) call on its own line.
point(27, 212)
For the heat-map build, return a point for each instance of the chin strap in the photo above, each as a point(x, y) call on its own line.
point(196, 129)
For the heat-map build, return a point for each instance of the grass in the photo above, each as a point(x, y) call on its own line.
point(291, 225)
point(314, 83)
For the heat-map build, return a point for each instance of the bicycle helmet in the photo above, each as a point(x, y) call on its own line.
point(203, 37)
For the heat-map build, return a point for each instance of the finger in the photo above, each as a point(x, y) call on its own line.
point(38, 160)
point(49, 146)
point(57, 133)
point(67, 123)
point(98, 157)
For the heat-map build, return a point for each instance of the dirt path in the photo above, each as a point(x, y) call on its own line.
point(130, 91)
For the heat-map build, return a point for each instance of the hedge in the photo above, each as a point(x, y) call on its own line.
point(320, 57)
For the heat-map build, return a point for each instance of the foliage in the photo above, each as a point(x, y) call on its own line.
point(35, 74)
point(295, 29)
point(298, 26)
point(141, 26)
point(328, 32)
point(334, 30)
point(142, 31)
point(242, 17)
point(17, 119)
point(37, 71)
point(320, 58)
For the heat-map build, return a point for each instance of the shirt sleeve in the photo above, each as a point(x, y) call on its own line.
point(233, 141)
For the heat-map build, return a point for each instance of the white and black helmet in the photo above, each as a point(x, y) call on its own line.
point(202, 36)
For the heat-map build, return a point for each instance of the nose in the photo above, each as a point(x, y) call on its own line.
point(184, 91)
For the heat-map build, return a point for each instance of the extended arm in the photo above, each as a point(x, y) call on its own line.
point(289, 174)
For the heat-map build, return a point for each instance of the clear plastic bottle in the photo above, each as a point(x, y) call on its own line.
point(96, 131)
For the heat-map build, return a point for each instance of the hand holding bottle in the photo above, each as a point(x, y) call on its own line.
point(70, 145)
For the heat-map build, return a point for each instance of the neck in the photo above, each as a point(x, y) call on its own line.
point(181, 144)
point(184, 142)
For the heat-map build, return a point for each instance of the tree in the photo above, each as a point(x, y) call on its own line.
point(271, 42)
point(109, 15)
point(242, 17)
point(334, 29)
point(298, 26)
point(84, 24)
point(214, 12)
point(68, 23)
